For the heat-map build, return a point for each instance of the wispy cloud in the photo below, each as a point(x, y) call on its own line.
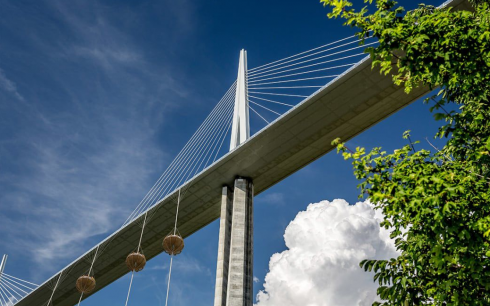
point(184, 264)
point(273, 198)
point(9, 86)
point(81, 159)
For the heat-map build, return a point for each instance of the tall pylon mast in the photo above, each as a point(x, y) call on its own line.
point(2, 265)
point(240, 130)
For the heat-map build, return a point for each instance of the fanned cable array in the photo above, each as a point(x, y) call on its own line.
point(275, 87)
point(12, 289)
point(202, 149)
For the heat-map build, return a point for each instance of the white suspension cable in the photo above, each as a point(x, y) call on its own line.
point(223, 140)
point(54, 290)
point(4, 283)
point(172, 255)
point(288, 87)
point(21, 280)
point(182, 170)
point(316, 53)
point(277, 94)
point(304, 52)
point(223, 129)
point(138, 250)
point(298, 80)
point(265, 108)
point(169, 274)
point(3, 298)
point(207, 145)
point(129, 291)
point(8, 293)
point(6, 278)
point(259, 75)
point(258, 114)
point(182, 155)
point(90, 270)
point(331, 54)
point(196, 142)
point(272, 101)
point(190, 162)
point(11, 284)
point(303, 72)
point(177, 160)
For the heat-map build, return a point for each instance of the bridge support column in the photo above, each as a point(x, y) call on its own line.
point(234, 274)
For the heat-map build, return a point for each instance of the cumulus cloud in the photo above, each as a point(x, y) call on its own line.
point(321, 265)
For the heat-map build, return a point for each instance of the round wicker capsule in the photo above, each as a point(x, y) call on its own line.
point(136, 261)
point(173, 244)
point(85, 284)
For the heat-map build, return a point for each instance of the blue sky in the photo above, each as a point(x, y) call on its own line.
point(97, 97)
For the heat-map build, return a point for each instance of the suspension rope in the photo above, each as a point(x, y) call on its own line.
point(218, 138)
point(319, 52)
point(8, 282)
point(182, 153)
point(329, 44)
point(160, 188)
point(204, 154)
point(21, 280)
point(223, 140)
point(271, 101)
point(287, 87)
point(249, 106)
point(56, 286)
point(129, 290)
point(194, 159)
point(6, 278)
point(8, 294)
point(4, 283)
point(138, 250)
point(171, 169)
point(203, 144)
point(172, 255)
point(299, 80)
point(303, 72)
point(277, 94)
point(265, 108)
point(331, 54)
point(1, 295)
point(259, 75)
point(90, 271)
point(169, 274)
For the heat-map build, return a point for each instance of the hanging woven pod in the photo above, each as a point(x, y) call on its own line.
point(136, 261)
point(173, 244)
point(85, 284)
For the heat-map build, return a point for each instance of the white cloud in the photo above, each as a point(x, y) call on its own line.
point(321, 266)
point(86, 157)
point(183, 264)
point(274, 198)
point(9, 86)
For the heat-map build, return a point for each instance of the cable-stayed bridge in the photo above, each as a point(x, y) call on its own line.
point(272, 121)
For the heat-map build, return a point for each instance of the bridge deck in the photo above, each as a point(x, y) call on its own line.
point(344, 108)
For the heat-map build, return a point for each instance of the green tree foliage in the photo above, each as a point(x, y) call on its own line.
point(436, 203)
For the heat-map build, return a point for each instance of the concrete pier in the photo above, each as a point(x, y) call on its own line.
point(234, 274)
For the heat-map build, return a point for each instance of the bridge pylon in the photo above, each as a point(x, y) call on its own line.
point(234, 273)
point(240, 129)
point(2, 265)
